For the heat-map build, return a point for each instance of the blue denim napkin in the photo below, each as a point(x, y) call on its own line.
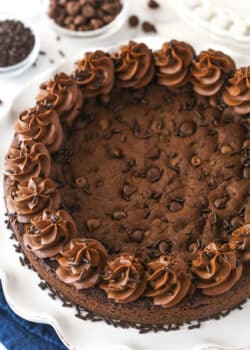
point(18, 334)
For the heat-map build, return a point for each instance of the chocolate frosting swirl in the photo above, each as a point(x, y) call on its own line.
point(237, 93)
point(168, 281)
point(210, 71)
point(133, 66)
point(240, 241)
point(81, 264)
point(30, 197)
point(40, 125)
point(217, 269)
point(26, 159)
point(124, 279)
point(95, 74)
point(173, 63)
point(49, 232)
point(63, 95)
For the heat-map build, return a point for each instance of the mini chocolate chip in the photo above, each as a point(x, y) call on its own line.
point(148, 27)
point(226, 149)
point(93, 224)
point(118, 215)
point(187, 129)
point(153, 4)
point(196, 161)
point(133, 21)
point(175, 206)
point(72, 8)
point(81, 181)
point(128, 190)
point(163, 247)
point(137, 235)
point(246, 173)
point(154, 174)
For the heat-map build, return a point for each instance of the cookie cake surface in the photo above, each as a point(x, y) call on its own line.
point(127, 184)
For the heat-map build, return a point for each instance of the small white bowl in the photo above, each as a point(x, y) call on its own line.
point(111, 27)
point(20, 67)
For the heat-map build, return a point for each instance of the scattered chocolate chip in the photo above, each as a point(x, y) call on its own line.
point(137, 235)
point(175, 206)
point(51, 61)
point(196, 161)
point(163, 247)
point(153, 4)
point(93, 224)
point(148, 27)
point(236, 221)
point(133, 21)
point(61, 53)
point(1, 102)
point(118, 215)
point(187, 129)
point(153, 174)
point(16, 41)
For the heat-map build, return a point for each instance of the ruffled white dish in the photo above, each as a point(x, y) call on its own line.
point(227, 20)
point(21, 289)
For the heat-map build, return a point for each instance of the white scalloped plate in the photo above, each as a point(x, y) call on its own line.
point(227, 20)
point(21, 289)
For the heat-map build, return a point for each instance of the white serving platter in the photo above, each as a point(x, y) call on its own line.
point(20, 285)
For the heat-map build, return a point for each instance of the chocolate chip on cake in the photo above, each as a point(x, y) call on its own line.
point(137, 236)
point(220, 203)
point(163, 247)
point(93, 224)
point(175, 206)
point(187, 129)
point(128, 190)
point(118, 215)
point(226, 149)
point(153, 174)
point(246, 172)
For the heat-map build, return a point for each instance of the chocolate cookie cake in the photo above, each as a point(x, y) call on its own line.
point(128, 183)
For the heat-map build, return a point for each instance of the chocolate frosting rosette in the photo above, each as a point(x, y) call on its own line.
point(168, 281)
point(26, 159)
point(82, 262)
point(217, 269)
point(124, 279)
point(173, 63)
point(95, 74)
point(31, 197)
point(237, 92)
point(63, 95)
point(209, 72)
point(49, 232)
point(240, 241)
point(133, 66)
point(40, 125)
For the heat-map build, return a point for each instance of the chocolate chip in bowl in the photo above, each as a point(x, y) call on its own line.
point(86, 18)
point(19, 44)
